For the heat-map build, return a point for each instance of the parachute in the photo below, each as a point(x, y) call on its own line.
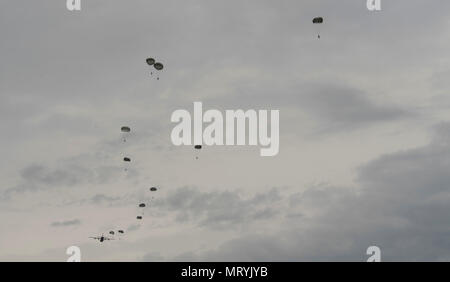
point(318, 20)
point(158, 66)
point(150, 61)
point(197, 147)
point(125, 129)
point(126, 160)
point(153, 189)
point(142, 206)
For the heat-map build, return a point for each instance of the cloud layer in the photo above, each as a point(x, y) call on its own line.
point(364, 132)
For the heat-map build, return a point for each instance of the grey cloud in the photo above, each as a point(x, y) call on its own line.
point(150, 257)
point(401, 205)
point(332, 106)
point(102, 198)
point(345, 108)
point(37, 175)
point(71, 174)
point(133, 227)
point(219, 210)
point(441, 135)
point(66, 223)
point(78, 77)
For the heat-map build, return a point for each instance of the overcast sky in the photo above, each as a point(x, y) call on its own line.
point(364, 130)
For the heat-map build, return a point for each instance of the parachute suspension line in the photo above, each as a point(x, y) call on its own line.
point(197, 148)
point(158, 67)
point(125, 130)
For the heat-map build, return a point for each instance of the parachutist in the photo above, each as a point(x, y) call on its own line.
point(156, 65)
point(319, 21)
point(125, 130)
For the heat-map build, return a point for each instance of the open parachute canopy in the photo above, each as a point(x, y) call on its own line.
point(158, 66)
point(125, 129)
point(318, 20)
point(150, 61)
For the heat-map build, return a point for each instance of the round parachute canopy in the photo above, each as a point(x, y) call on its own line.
point(142, 205)
point(121, 231)
point(125, 129)
point(198, 147)
point(318, 20)
point(139, 217)
point(111, 232)
point(150, 61)
point(153, 189)
point(126, 159)
point(158, 66)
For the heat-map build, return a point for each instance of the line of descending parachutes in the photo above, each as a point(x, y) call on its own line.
point(126, 130)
